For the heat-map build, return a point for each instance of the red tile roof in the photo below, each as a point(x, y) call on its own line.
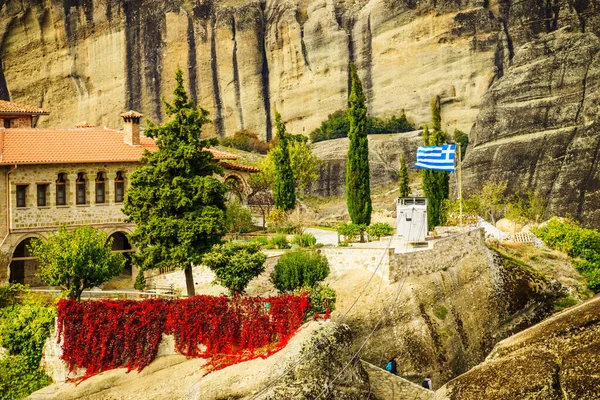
point(10, 107)
point(80, 145)
point(239, 167)
point(56, 146)
point(222, 155)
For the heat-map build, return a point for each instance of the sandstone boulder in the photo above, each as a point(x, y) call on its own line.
point(539, 127)
point(556, 359)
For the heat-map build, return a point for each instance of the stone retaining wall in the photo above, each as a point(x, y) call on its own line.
point(342, 259)
point(445, 253)
point(387, 386)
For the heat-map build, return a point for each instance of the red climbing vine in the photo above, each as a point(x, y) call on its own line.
point(102, 335)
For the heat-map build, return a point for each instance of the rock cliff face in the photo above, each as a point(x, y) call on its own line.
point(446, 321)
point(539, 126)
point(91, 59)
point(556, 359)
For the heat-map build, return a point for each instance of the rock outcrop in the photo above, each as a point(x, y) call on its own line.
point(539, 126)
point(445, 322)
point(91, 59)
point(313, 362)
point(556, 359)
point(384, 161)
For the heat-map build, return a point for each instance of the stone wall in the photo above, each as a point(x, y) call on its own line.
point(387, 386)
point(342, 259)
point(202, 276)
point(445, 254)
point(52, 216)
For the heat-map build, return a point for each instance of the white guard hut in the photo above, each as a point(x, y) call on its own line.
point(411, 218)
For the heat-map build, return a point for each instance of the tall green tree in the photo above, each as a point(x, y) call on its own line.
point(358, 191)
point(77, 260)
point(285, 195)
point(436, 184)
point(174, 200)
point(404, 180)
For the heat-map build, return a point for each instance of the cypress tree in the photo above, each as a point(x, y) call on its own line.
point(436, 184)
point(358, 191)
point(404, 181)
point(285, 196)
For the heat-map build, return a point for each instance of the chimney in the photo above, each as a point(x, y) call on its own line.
point(131, 127)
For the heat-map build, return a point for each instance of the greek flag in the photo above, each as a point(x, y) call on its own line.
point(439, 158)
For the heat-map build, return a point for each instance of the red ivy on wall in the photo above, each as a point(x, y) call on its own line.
point(102, 335)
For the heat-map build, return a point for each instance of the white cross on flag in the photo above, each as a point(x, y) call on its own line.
point(439, 158)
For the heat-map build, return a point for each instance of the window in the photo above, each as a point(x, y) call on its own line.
point(7, 123)
point(21, 195)
point(80, 183)
point(100, 188)
point(61, 190)
point(42, 189)
point(119, 188)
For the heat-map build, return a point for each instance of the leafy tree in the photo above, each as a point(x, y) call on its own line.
point(436, 184)
point(235, 264)
point(299, 268)
point(491, 200)
point(261, 195)
point(174, 200)
point(77, 260)
point(404, 180)
point(304, 163)
point(358, 191)
point(284, 193)
point(238, 219)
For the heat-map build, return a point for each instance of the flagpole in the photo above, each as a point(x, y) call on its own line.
point(460, 187)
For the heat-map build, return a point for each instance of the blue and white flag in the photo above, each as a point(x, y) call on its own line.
point(440, 158)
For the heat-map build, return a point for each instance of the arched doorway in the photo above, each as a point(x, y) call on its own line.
point(24, 267)
point(121, 244)
point(235, 188)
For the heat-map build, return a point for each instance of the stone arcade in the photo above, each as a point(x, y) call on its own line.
point(70, 177)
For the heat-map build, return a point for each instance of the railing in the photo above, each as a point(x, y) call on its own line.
point(115, 294)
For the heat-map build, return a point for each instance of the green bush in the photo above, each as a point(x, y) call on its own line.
point(582, 244)
point(322, 299)
point(24, 329)
point(262, 241)
point(379, 229)
point(337, 126)
point(350, 232)
point(238, 219)
point(9, 293)
point(299, 269)
point(280, 242)
point(140, 281)
point(305, 240)
point(235, 264)
point(247, 141)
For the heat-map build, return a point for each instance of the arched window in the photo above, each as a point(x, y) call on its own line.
point(61, 190)
point(100, 188)
point(119, 187)
point(80, 183)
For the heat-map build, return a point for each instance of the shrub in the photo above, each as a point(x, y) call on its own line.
point(238, 219)
point(9, 293)
point(280, 242)
point(246, 141)
point(260, 240)
point(299, 269)
point(380, 229)
point(350, 232)
point(580, 243)
point(278, 221)
point(305, 240)
point(337, 126)
point(140, 281)
point(322, 299)
point(235, 264)
point(24, 329)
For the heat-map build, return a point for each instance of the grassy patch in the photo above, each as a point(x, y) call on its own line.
point(440, 312)
point(564, 303)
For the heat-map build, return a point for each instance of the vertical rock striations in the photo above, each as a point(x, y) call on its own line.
point(91, 59)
